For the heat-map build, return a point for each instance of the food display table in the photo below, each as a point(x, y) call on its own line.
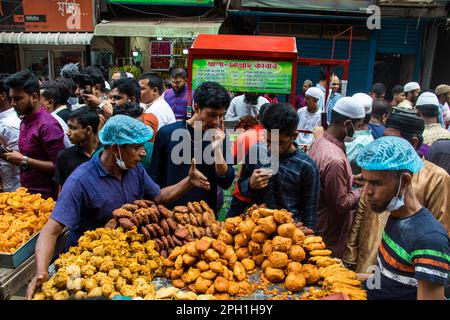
point(12, 280)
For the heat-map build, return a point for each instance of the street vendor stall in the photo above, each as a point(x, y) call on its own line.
point(260, 64)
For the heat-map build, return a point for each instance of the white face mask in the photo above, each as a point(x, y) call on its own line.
point(120, 162)
point(398, 201)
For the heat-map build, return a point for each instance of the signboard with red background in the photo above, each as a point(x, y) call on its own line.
point(47, 16)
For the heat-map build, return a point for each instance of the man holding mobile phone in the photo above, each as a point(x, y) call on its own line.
point(296, 184)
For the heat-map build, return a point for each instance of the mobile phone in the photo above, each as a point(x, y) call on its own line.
point(4, 150)
point(266, 172)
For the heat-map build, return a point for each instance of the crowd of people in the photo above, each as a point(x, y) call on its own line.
point(374, 182)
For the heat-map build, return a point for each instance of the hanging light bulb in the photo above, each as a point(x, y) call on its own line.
point(185, 51)
point(159, 38)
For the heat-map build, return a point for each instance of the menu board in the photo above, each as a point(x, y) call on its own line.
point(244, 75)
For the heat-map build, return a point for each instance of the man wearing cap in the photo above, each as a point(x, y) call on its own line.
point(337, 199)
point(363, 135)
point(443, 93)
point(412, 91)
point(414, 254)
point(103, 184)
point(309, 117)
point(428, 109)
point(431, 186)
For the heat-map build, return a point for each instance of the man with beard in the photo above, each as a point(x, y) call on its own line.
point(41, 136)
point(247, 104)
point(337, 198)
point(414, 253)
point(177, 96)
point(177, 143)
point(412, 91)
point(431, 185)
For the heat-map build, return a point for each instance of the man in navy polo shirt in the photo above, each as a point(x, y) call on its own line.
point(103, 184)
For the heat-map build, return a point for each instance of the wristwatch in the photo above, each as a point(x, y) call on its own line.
point(24, 164)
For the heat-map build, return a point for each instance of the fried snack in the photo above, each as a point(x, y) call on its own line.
point(336, 269)
point(312, 239)
point(188, 260)
point(212, 255)
point(311, 273)
point(274, 275)
point(232, 225)
point(298, 237)
point(225, 237)
point(239, 271)
point(320, 253)
point(282, 216)
point(191, 249)
point(22, 215)
point(219, 246)
point(209, 275)
point(202, 285)
point(166, 293)
point(203, 266)
point(295, 282)
point(265, 212)
point(296, 253)
point(202, 245)
point(259, 236)
point(267, 225)
point(278, 260)
point(246, 227)
point(259, 259)
point(255, 248)
point(315, 246)
point(221, 284)
point(122, 213)
point(341, 279)
point(286, 230)
point(240, 240)
point(248, 264)
point(281, 244)
point(294, 267)
point(242, 253)
point(233, 288)
point(325, 261)
point(191, 275)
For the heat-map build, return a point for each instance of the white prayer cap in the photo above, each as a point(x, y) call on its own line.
point(350, 107)
point(410, 86)
point(314, 93)
point(365, 100)
point(107, 86)
point(427, 98)
point(129, 75)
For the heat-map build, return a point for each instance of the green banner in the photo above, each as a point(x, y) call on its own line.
point(165, 2)
point(244, 75)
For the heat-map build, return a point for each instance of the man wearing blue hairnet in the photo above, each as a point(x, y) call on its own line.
point(414, 254)
point(103, 184)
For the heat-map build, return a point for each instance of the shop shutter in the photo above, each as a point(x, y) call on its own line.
point(319, 48)
point(401, 36)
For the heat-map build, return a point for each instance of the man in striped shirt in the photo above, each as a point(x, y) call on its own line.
point(414, 253)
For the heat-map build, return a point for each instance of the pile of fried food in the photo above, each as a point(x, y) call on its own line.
point(22, 215)
point(272, 240)
point(172, 293)
point(209, 266)
point(106, 263)
point(167, 228)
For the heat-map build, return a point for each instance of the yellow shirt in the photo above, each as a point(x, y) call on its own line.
point(434, 132)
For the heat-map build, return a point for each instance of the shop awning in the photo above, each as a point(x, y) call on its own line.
point(49, 38)
point(164, 29)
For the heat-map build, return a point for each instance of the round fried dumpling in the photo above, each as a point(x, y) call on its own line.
point(281, 244)
point(296, 253)
point(294, 266)
point(311, 273)
point(286, 230)
point(274, 275)
point(295, 282)
point(278, 260)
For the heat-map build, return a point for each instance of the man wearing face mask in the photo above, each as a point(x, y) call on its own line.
point(414, 255)
point(337, 198)
point(431, 186)
point(103, 184)
point(362, 136)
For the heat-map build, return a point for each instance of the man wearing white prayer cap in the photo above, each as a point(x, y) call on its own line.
point(412, 91)
point(337, 197)
point(428, 109)
point(309, 117)
point(363, 135)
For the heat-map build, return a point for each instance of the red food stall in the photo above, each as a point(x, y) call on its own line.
point(240, 63)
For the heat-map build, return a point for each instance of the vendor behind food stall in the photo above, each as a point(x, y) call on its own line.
point(103, 184)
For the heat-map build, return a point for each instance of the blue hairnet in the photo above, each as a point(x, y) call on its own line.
point(389, 153)
point(122, 129)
